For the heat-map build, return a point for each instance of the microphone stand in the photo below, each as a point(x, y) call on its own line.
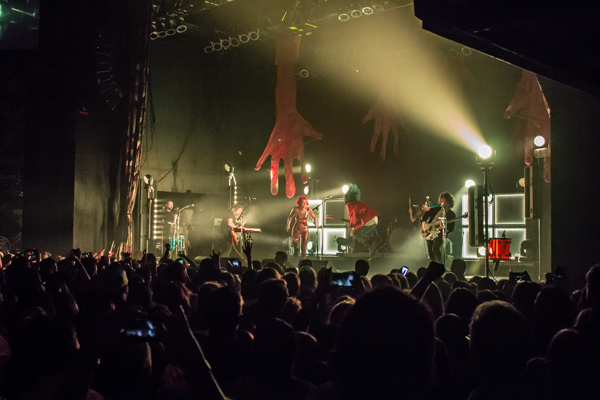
point(316, 211)
point(322, 237)
point(177, 244)
point(242, 234)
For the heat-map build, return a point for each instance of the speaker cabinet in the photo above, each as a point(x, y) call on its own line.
point(476, 215)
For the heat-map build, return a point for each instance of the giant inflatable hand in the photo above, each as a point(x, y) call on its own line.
point(385, 112)
point(286, 140)
point(529, 104)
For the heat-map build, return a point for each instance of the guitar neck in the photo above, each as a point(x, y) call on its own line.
point(341, 219)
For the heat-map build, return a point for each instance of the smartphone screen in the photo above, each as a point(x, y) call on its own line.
point(404, 271)
point(142, 328)
point(342, 279)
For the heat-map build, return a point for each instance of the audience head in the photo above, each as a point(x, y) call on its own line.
point(500, 344)
point(305, 263)
point(249, 284)
point(293, 283)
point(275, 349)
point(308, 278)
point(485, 295)
point(463, 303)
point(486, 284)
point(458, 267)
point(267, 273)
point(339, 311)
point(275, 266)
point(524, 297)
point(362, 267)
point(450, 277)
point(281, 258)
point(272, 296)
point(385, 347)
point(380, 280)
point(223, 310)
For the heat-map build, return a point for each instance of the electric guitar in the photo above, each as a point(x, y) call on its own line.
point(433, 227)
point(236, 232)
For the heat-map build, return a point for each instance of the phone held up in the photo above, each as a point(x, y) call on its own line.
point(404, 270)
point(141, 328)
point(342, 279)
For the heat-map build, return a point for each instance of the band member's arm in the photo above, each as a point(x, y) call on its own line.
point(412, 218)
point(231, 223)
point(312, 214)
point(289, 220)
point(189, 260)
point(167, 255)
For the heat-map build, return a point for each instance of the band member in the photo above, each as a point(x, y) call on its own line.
point(236, 222)
point(300, 228)
point(434, 220)
point(363, 219)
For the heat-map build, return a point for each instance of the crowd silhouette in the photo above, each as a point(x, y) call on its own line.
point(91, 327)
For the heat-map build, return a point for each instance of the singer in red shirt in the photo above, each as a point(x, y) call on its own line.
point(363, 219)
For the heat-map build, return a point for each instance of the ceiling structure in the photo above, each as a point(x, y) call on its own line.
point(557, 39)
point(220, 18)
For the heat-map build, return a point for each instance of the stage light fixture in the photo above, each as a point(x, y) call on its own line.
point(310, 245)
point(356, 14)
point(541, 152)
point(228, 168)
point(539, 141)
point(306, 190)
point(345, 189)
point(148, 180)
point(469, 183)
point(343, 17)
point(308, 168)
point(367, 10)
point(522, 182)
point(481, 251)
point(484, 152)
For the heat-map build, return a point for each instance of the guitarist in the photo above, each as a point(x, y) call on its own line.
point(435, 219)
point(236, 222)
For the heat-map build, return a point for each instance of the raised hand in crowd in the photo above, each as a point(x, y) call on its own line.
point(215, 258)
point(248, 252)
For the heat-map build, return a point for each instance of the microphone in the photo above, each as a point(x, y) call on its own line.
point(250, 198)
point(328, 197)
